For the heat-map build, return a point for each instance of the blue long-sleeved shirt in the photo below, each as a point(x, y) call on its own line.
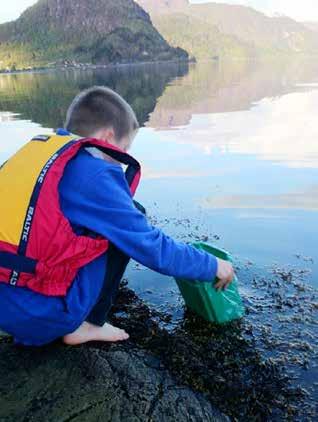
point(94, 195)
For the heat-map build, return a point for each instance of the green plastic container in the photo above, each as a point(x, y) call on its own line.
point(205, 300)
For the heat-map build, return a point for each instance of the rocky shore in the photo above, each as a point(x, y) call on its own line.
point(176, 366)
point(73, 65)
point(186, 374)
point(119, 383)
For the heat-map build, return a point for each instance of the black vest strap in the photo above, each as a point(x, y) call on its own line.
point(133, 167)
point(21, 260)
point(17, 263)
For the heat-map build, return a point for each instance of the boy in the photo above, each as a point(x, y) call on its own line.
point(95, 198)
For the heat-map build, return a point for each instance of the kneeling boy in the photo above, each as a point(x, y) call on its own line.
point(63, 252)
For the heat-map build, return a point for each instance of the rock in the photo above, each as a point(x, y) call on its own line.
point(117, 383)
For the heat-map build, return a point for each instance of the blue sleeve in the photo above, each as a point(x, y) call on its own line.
point(103, 203)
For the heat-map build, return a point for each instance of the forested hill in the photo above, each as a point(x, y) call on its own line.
point(215, 29)
point(76, 31)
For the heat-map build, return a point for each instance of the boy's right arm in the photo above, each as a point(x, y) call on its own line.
point(105, 205)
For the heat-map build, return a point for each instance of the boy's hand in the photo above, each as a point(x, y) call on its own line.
point(225, 274)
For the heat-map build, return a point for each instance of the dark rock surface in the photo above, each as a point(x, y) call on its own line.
point(168, 372)
point(119, 383)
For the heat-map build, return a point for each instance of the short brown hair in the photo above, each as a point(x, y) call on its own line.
point(97, 108)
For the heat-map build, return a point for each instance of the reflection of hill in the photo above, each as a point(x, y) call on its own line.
point(226, 87)
point(44, 97)
point(264, 110)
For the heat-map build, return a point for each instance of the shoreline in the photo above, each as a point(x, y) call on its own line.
point(85, 67)
point(90, 66)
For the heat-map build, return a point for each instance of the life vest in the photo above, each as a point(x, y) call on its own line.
point(38, 248)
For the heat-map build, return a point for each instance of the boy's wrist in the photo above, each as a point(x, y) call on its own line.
point(212, 268)
point(217, 265)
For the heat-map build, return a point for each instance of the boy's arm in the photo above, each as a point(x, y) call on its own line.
point(104, 205)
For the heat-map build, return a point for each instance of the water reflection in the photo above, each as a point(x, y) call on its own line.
point(15, 132)
point(229, 87)
point(229, 152)
point(272, 108)
point(44, 97)
point(299, 200)
point(222, 135)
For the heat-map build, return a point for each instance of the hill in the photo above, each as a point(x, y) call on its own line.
point(213, 29)
point(94, 31)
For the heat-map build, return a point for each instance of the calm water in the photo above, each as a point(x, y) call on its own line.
point(233, 146)
point(229, 153)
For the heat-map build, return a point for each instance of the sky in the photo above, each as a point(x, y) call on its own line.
point(305, 10)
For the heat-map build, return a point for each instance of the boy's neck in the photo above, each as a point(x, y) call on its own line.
point(95, 152)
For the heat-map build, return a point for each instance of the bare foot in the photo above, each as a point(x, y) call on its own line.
point(89, 332)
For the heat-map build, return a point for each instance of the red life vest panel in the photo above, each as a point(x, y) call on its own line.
point(38, 248)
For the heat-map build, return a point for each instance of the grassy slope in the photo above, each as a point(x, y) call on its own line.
point(275, 34)
point(200, 38)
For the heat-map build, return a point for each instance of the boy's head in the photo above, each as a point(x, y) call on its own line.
point(101, 113)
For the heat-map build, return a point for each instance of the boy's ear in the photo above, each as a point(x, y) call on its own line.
point(110, 135)
point(106, 134)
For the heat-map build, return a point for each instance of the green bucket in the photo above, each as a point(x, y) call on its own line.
point(205, 300)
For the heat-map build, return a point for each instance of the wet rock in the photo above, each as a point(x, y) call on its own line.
point(116, 383)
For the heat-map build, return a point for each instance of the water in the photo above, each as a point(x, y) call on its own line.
point(232, 144)
point(229, 154)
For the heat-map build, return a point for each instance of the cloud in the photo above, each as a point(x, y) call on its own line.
point(18, 132)
point(301, 10)
point(305, 10)
point(295, 200)
point(282, 130)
